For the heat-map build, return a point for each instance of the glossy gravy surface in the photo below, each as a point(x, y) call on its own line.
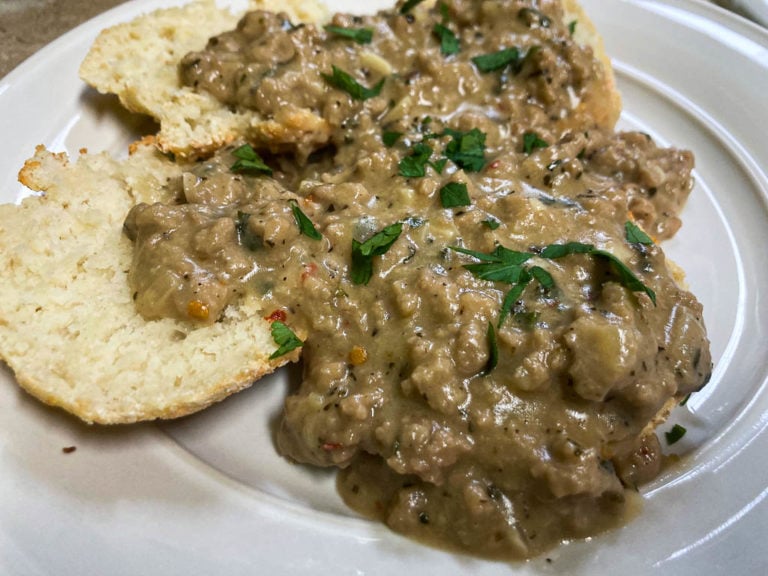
point(480, 386)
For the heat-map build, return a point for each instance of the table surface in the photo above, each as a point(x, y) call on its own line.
point(28, 25)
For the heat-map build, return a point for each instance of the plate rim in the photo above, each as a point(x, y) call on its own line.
point(129, 9)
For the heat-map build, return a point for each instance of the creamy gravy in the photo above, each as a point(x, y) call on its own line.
point(498, 436)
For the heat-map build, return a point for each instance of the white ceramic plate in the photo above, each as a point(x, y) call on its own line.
point(209, 495)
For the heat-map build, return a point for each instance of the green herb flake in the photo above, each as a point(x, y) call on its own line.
point(531, 142)
point(359, 35)
point(491, 223)
point(635, 234)
point(505, 265)
point(439, 165)
point(304, 223)
point(626, 277)
point(684, 401)
point(493, 350)
point(249, 162)
point(466, 149)
point(344, 81)
point(572, 27)
point(454, 194)
point(415, 165)
point(515, 293)
point(449, 43)
point(409, 5)
point(390, 138)
point(501, 265)
point(363, 253)
point(285, 339)
point(555, 251)
point(498, 60)
point(508, 266)
point(543, 277)
point(675, 434)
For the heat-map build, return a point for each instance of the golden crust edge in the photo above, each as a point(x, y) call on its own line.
point(86, 412)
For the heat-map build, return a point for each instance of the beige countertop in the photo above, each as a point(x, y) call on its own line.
point(28, 25)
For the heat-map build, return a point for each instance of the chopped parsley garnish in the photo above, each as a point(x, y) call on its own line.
point(390, 138)
point(501, 265)
point(466, 149)
point(343, 81)
point(285, 339)
point(554, 251)
point(491, 223)
point(304, 223)
point(444, 11)
point(635, 234)
point(493, 350)
point(531, 141)
point(415, 165)
point(572, 27)
point(675, 435)
point(508, 266)
point(439, 165)
point(245, 236)
point(498, 60)
point(514, 295)
point(454, 194)
point(409, 5)
point(359, 35)
point(626, 276)
point(249, 162)
point(363, 253)
point(542, 277)
point(449, 43)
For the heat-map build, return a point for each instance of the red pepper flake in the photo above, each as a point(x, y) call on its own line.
point(309, 270)
point(69, 449)
point(331, 446)
point(493, 165)
point(277, 315)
